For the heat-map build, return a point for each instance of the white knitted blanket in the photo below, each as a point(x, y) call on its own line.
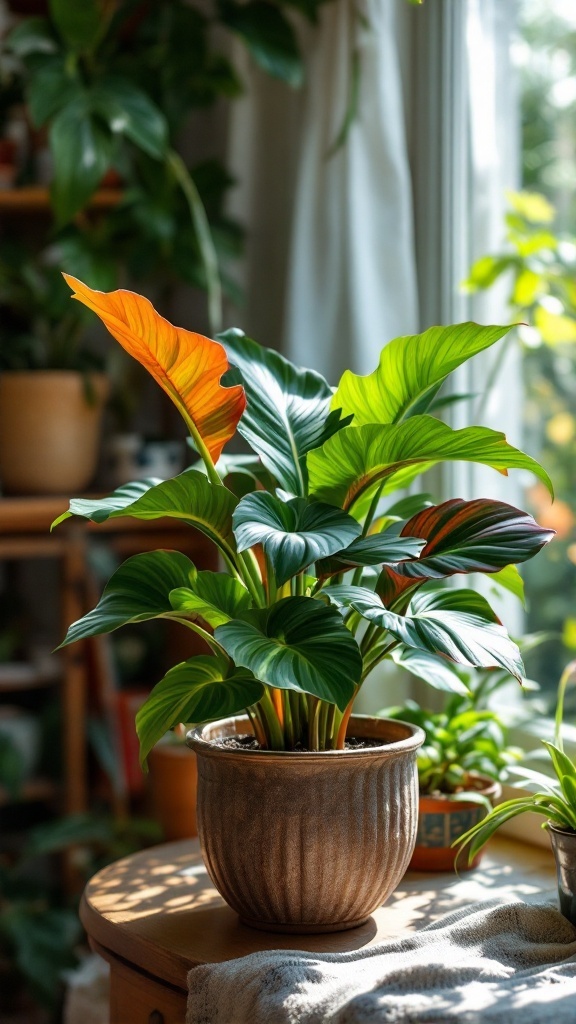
point(501, 962)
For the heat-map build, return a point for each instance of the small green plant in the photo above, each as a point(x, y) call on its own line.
point(38, 330)
point(461, 741)
point(555, 798)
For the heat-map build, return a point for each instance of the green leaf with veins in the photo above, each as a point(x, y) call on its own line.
point(410, 372)
point(201, 689)
point(189, 497)
point(214, 596)
point(293, 533)
point(432, 668)
point(357, 458)
point(371, 550)
point(287, 411)
point(458, 624)
point(471, 536)
point(139, 590)
point(297, 644)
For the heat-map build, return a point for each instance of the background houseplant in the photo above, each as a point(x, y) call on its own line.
point(465, 750)
point(52, 385)
point(286, 645)
point(554, 798)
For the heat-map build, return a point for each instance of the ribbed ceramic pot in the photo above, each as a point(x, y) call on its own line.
point(308, 842)
point(564, 848)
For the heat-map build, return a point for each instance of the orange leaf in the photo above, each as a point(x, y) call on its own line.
point(187, 366)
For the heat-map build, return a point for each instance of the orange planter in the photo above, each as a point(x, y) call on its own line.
point(173, 781)
point(442, 821)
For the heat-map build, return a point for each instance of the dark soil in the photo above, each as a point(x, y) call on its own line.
point(247, 742)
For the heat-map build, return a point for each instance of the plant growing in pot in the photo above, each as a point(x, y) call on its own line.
point(554, 798)
point(326, 575)
point(465, 754)
point(52, 386)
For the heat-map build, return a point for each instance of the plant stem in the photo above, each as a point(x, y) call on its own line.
point(341, 738)
point(322, 724)
point(379, 656)
point(273, 728)
point(287, 719)
point(330, 722)
point(213, 644)
point(203, 236)
point(313, 719)
point(259, 732)
point(568, 675)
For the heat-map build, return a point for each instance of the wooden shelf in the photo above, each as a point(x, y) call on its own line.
point(15, 676)
point(35, 789)
point(36, 198)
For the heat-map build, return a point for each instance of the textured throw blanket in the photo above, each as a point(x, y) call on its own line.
point(501, 962)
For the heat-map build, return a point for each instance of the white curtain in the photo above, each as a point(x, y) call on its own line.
point(330, 270)
point(352, 278)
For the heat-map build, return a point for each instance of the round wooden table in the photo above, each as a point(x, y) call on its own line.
point(155, 915)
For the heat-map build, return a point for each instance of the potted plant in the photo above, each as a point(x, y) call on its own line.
point(52, 387)
point(326, 575)
point(465, 754)
point(554, 798)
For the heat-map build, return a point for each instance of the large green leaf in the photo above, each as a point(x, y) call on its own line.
point(138, 590)
point(293, 533)
point(471, 536)
point(127, 110)
point(297, 644)
point(457, 624)
point(32, 36)
point(82, 149)
point(199, 690)
point(214, 596)
point(433, 669)
point(287, 411)
point(189, 497)
point(410, 371)
point(268, 35)
point(372, 550)
point(356, 458)
point(79, 24)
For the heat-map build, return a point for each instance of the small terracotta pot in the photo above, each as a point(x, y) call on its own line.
point(173, 778)
point(564, 849)
point(442, 821)
point(308, 842)
point(49, 431)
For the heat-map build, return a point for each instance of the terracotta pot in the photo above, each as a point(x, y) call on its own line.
point(442, 821)
point(173, 777)
point(307, 842)
point(564, 848)
point(49, 432)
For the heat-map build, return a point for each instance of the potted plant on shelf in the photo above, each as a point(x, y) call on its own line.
point(465, 754)
point(326, 575)
point(554, 798)
point(52, 386)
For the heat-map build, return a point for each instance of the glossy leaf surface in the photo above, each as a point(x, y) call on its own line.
point(297, 644)
point(356, 458)
point(457, 624)
point(199, 690)
point(214, 596)
point(371, 550)
point(432, 668)
point(471, 536)
point(293, 533)
point(138, 590)
point(187, 366)
point(287, 411)
point(188, 496)
point(410, 367)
